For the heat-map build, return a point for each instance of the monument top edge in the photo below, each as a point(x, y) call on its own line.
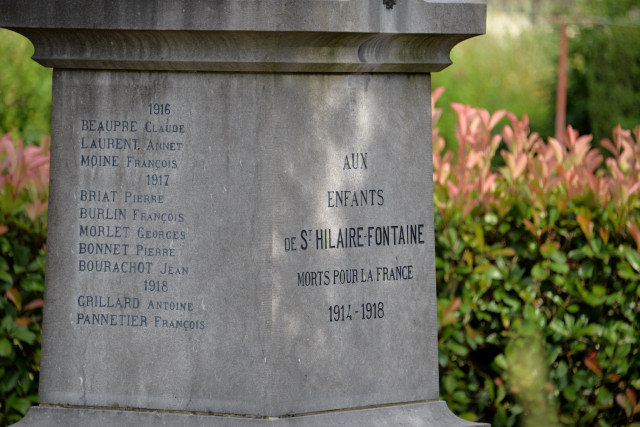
point(348, 16)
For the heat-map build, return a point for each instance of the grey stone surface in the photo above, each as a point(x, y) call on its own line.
point(241, 243)
point(427, 414)
point(342, 16)
point(246, 35)
point(264, 162)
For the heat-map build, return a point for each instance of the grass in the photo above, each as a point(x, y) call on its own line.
point(25, 90)
point(512, 67)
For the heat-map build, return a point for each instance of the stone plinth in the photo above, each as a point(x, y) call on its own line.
point(241, 211)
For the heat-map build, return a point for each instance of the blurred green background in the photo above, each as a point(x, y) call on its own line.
point(25, 90)
point(514, 66)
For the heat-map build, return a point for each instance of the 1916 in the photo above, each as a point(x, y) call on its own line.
point(159, 109)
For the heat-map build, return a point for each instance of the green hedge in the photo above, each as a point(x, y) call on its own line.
point(538, 265)
point(24, 182)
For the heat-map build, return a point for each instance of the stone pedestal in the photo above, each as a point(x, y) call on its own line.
point(241, 215)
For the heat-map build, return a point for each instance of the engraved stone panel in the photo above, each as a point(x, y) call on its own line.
point(234, 236)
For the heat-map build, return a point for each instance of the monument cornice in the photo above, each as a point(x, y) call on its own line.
point(328, 36)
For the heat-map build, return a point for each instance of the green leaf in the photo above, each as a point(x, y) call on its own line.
point(627, 273)
point(19, 404)
point(558, 327)
point(491, 218)
point(633, 257)
point(443, 359)
point(553, 354)
point(21, 255)
point(32, 284)
point(460, 396)
point(501, 417)
point(591, 299)
point(548, 248)
point(5, 245)
point(449, 383)
point(560, 268)
point(605, 397)
point(538, 272)
point(8, 382)
point(506, 252)
point(23, 334)
point(591, 330)
point(569, 393)
point(469, 416)
point(6, 277)
point(586, 269)
point(501, 362)
point(5, 347)
point(458, 349)
point(494, 274)
point(7, 323)
point(577, 254)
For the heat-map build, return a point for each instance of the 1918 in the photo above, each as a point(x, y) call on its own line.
point(156, 285)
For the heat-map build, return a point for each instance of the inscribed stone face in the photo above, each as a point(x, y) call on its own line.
point(240, 243)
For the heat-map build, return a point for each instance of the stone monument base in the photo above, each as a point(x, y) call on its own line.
point(433, 413)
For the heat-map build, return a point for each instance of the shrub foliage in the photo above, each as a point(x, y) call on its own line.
point(24, 183)
point(538, 256)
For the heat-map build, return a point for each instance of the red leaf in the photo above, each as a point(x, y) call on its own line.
point(604, 234)
point(22, 321)
point(631, 395)
point(614, 378)
point(35, 304)
point(593, 365)
point(497, 116)
point(452, 190)
point(605, 143)
point(586, 225)
point(624, 403)
point(455, 304)
point(530, 226)
point(14, 296)
point(519, 166)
